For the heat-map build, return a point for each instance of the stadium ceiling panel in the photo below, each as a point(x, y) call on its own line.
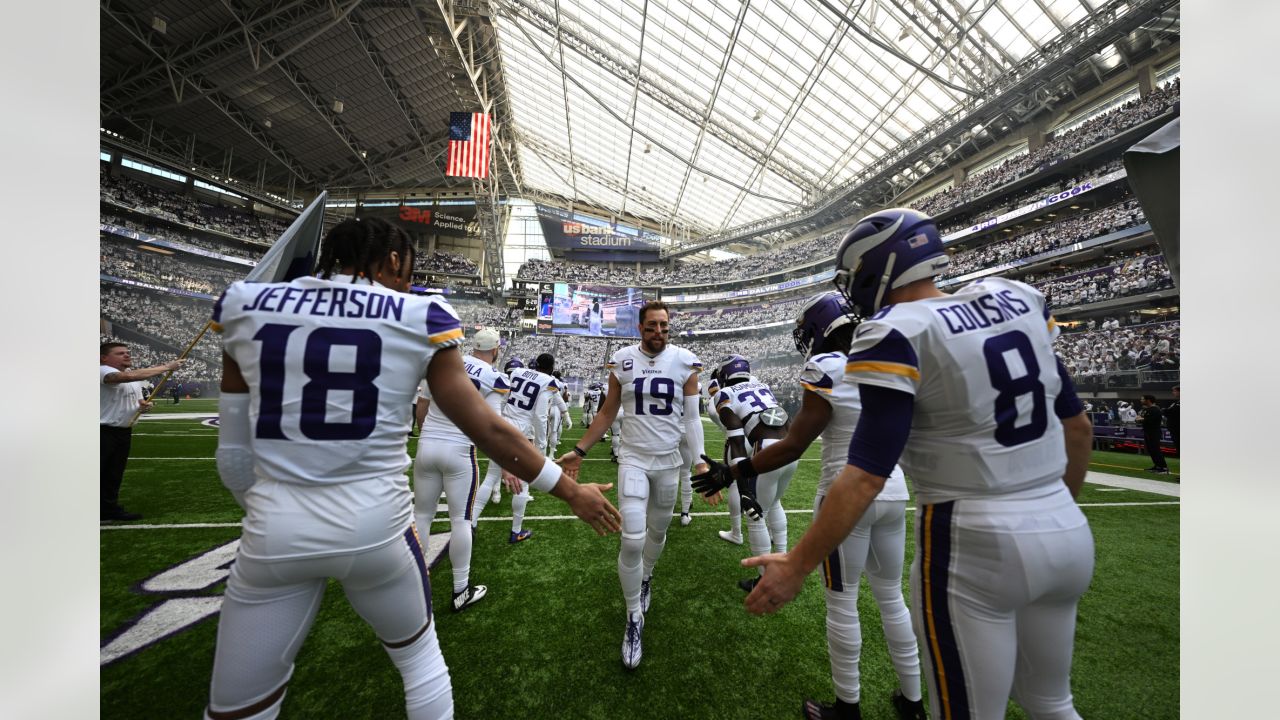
point(723, 112)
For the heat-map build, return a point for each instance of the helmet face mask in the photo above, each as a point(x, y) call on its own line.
point(884, 251)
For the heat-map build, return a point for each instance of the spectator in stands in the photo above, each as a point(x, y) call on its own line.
point(120, 399)
point(1151, 435)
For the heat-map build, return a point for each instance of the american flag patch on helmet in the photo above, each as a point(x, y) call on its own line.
point(918, 241)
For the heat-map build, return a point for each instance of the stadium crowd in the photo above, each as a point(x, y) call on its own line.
point(173, 321)
point(164, 232)
point(734, 316)
point(1061, 146)
point(1110, 347)
point(1130, 277)
point(445, 262)
point(1047, 238)
point(173, 206)
point(125, 260)
point(1012, 202)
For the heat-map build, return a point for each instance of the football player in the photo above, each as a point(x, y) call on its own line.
point(491, 486)
point(590, 400)
point(966, 389)
point(734, 533)
point(528, 405)
point(753, 420)
point(657, 383)
point(318, 374)
point(831, 407)
point(557, 416)
point(446, 461)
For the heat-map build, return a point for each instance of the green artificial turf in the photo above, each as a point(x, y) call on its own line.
point(545, 642)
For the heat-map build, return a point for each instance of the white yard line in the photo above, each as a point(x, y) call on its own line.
point(1156, 487)
point(533, 518)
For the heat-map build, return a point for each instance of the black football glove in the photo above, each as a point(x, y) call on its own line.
point(747, 490)
point(716, 478)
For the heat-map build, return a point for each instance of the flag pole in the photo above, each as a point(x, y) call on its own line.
point(138, 413)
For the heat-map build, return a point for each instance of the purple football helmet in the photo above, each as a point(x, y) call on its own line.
point(886, 250)
point(820, 317)
point(512, 364)
point(733, 367)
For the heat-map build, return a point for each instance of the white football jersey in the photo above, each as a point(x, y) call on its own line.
point(746, 400)
point(823, 375)
point(493, 388)
point(653, 397)
point(981, 366)
point(332, 368)
point(591, 399)
point(529, 398)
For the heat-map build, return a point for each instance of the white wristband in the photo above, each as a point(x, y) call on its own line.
point(736, 432)
point(548, 477)
point(733, 462)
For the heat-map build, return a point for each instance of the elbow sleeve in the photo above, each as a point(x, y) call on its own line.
point(883, 429)
point(693, 427)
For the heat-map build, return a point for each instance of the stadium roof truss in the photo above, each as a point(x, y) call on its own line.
point(713, 114)
point(716, 121)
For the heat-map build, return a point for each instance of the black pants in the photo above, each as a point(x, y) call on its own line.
point(114, 442)
point(1153, 449)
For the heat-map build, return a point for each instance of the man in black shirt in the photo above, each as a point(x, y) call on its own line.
point(1171, 419)
point(1151, 416)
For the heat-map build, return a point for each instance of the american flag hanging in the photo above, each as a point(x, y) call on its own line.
point(468, 145)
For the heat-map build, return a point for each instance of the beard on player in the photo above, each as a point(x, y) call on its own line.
point(653, 340)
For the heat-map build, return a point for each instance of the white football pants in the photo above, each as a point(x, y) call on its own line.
point(994, 589)
point(645, 499)
point(452, 468)
point(876, 546)
point(772, 528)
point(269, 606)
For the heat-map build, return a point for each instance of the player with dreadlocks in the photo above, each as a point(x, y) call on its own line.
point(318, 375)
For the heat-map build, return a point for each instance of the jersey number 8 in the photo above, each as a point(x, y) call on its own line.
point(1008, 432)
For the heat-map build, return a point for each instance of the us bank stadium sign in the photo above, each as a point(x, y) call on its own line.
point(589, 238)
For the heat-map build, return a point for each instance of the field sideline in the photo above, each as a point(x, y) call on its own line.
point(545, 642)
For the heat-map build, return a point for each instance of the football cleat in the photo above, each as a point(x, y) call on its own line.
point(749, 584)
point(520, 536)
point(632, 650)
point(814, 710)
point(730, 536)
point(685, 519)
point(908, 709)
point(467, 598)
point(645, 586)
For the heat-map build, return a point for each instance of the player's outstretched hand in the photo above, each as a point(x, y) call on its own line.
point(713, 480)
point(780, 583)
point(570, 463)
point(593, 508)
point(747, 490)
